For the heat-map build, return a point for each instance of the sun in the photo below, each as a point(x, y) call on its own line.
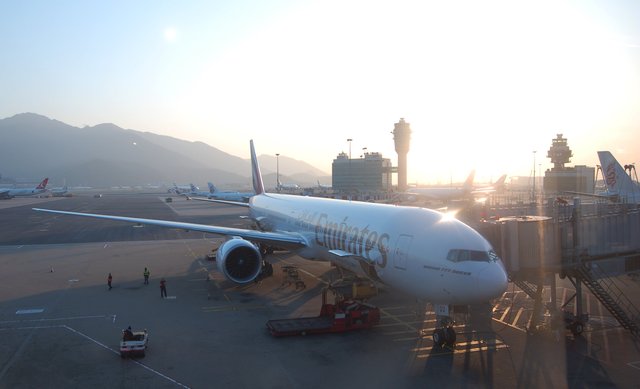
point(170, 34)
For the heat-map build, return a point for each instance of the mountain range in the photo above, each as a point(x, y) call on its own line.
point(33, 146)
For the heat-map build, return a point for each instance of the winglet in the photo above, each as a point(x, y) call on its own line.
point(258, 185)
point(43, 184)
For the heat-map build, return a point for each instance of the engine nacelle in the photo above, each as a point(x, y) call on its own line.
point(239, 260)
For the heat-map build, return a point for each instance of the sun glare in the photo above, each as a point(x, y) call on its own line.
point(170, 34)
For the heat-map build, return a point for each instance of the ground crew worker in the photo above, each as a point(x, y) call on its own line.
point(109, 281)
point(163, 288)
point(146, 276)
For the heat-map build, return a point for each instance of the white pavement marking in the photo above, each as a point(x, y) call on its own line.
point(54, 319)
point(517, 316)
point(29, 311)
point(117, 352)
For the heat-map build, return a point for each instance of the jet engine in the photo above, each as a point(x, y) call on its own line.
point(239, 260)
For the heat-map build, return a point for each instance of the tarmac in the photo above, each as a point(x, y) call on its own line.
point(61, 326)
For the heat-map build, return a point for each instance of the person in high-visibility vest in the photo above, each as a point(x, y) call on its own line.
point(146, 276)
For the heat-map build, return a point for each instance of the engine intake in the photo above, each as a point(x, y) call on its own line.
point(239, 260)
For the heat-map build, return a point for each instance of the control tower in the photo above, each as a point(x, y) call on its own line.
point(402, 139)
point(560, 153)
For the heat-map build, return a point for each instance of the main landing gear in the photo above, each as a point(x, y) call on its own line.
point(444, 334)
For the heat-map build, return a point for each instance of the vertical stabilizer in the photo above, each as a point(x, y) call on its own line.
point(43, 184)
point(258, 185)
point(500, 181)
point(468, 184)
point(616, 178)
point(212, 188)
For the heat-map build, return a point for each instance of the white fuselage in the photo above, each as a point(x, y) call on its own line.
point(21, 192)
point(441, 194)
point(231, 196)
point(407, 247)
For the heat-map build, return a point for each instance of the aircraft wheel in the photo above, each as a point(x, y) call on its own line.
point(577, 328)
point(438, 337)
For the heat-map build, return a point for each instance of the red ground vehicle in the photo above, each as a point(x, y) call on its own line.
point(344, 315)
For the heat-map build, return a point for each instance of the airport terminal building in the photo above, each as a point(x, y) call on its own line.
point(371, 173)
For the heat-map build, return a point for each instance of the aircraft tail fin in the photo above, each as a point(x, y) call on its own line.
point(468, 184)
point(500, 181)
point(615, 177)
point(43, 184)
point(212, 188)
point(193, 187)
point(258, 185)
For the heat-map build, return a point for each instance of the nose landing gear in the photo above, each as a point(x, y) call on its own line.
point(444, 334)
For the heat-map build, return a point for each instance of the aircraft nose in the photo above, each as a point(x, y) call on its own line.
point(492, 281)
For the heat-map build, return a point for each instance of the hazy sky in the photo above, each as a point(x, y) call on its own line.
point(483, 83)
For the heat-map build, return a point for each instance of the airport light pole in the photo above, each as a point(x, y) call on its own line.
point(350, 178)
point(277, 172)
point(534, 176)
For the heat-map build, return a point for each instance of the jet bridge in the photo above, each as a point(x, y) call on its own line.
point(576, 242)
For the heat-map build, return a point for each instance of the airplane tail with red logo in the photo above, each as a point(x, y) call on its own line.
point(618, 182)
point(43, 184)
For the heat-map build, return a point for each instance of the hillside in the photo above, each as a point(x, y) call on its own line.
point(34, 146)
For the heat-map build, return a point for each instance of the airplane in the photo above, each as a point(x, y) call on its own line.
point(61, 192)
point(180, 189)
point(214, 193)
point(497, 186)
point(194, 191)
point(619, 184)
point(287, 186)
point(323, 186)
point(9, 193)
point(445, 193)
point(415, 250)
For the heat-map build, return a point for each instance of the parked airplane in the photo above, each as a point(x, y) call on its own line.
point(323, 186)
point(214, 193)
point(287, 186)
point(415, 250)
point(619, 183)
point(8, 193)
point(495, 187)
point(61, 192)
point(180, 189)
point(445, 193)
point(194, 191)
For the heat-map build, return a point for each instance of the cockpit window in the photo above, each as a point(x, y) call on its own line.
point(461, 255)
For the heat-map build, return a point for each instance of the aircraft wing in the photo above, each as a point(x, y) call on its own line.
point(280, 239)
point(611, 197)
point(229, 202)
